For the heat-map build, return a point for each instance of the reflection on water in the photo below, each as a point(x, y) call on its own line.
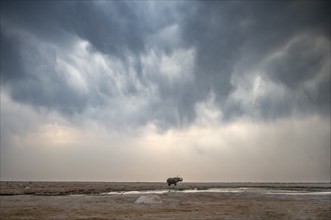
point(227, 190)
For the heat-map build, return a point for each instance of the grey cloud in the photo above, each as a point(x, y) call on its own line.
point(10, 58)
point(44, 19)
point(29, 73)
point(302, 60)
point(234, 38)
point(112, 31)
point(228, 37)
point(28, 69)
point(116, 29)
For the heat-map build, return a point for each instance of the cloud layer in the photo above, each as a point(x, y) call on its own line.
point(128, 68)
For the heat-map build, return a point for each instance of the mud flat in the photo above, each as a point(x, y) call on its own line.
point(57, 200)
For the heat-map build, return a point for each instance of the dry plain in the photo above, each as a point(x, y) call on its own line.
point(115, 200)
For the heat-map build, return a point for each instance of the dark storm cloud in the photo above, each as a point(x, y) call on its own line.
point(113, 30)
point(300, 63)
point(45, 19)
point(229, 39)
point(29, 72)
point(237, 36)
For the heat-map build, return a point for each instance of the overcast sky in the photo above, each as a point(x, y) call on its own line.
point(143, 90)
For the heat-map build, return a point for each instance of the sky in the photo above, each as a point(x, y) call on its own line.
point(142, 90)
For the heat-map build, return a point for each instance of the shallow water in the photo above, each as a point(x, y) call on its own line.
point(228, 190)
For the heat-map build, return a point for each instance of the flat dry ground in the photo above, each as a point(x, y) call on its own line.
point(64, 201)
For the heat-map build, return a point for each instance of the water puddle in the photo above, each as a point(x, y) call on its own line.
point(138, 192)
point(300, 193)
point(224, 190)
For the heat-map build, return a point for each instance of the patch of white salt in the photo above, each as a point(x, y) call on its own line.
point(149, 199)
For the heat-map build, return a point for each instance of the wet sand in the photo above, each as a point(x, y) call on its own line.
point(23, 200)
